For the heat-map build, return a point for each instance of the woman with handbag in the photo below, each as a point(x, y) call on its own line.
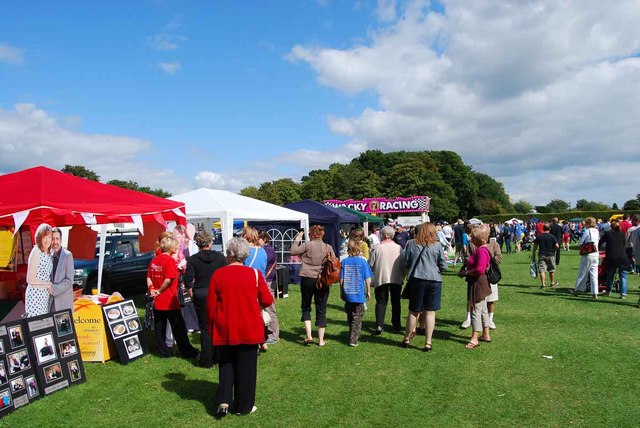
point(313, 253)
point(424, 258)
point(478, 288)
point(237, 294)
point(588, 268)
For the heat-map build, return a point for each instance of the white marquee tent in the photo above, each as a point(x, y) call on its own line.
point(208, 205)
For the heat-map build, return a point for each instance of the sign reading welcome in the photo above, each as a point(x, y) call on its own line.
point(384, 205)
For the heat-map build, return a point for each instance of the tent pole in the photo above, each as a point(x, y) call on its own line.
point(103, 244)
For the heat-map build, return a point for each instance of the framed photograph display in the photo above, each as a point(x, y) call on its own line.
point(16, 365)
point(55, 345)
point(124, 327)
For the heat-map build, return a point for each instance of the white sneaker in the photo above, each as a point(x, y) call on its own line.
point(492, 326)
point(466, 324)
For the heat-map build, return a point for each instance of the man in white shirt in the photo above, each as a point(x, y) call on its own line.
point(374, 240)
point(448, 232)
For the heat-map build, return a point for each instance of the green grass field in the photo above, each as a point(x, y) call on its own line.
point(590, 381)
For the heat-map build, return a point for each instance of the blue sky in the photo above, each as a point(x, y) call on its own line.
point(181, 95)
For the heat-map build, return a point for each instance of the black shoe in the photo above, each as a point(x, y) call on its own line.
point(378, 331)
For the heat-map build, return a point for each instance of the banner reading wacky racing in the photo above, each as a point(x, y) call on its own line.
point(384, 205)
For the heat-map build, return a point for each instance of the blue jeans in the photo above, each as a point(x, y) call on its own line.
point(623, 280)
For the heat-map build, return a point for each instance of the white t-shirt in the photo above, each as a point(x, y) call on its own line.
point(375, 241)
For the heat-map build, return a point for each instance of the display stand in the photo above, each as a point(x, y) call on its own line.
point(38, 356)
point(124, 326)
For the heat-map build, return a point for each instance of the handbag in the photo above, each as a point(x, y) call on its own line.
point(330, 272)
point(533, 269)
point(266, 318)
point(405, 291)
point(588, 247)
point(183, 293)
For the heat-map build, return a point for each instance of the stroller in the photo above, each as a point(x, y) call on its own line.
point(603, 275)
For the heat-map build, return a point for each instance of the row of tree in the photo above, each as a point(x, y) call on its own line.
point(558, 206)
point(442, 175)
point(81, 171)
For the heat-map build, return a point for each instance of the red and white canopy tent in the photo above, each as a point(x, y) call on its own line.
point(43, 195)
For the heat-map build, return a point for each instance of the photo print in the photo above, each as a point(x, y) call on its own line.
point(45, 348)
point(52, 372)
point(63, 324)
point(68, 348)
point(17, 384)
point(114, 313)
point(18, 361)
point(133, 325)
point(5, 399)
point(1, 347)
point(133, 347)
point(15, 336)
point(3, 373)
point(128, 309)
point(32, 387)
point(74, 370)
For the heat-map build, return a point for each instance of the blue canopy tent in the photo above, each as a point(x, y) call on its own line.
point(329, 217)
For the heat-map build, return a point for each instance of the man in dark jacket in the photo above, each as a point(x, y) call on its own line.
point(557, 231)
point(197, 277)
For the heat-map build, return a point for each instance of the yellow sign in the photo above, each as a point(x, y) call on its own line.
point(7, 249)
point(91, 330)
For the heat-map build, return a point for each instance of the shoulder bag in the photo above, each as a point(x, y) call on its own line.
point(330, 272)
point(405, 291)
point(588, 247)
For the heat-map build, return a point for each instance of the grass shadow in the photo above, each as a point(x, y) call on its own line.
point(516, 285)
point(192, 389)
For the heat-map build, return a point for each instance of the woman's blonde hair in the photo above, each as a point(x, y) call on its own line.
point(316, 232)
point(426, 234)
point(42, 230)
point(480, 234)
point(251, 235)
point(353, 248)
point(168, 244)
point(590, 222)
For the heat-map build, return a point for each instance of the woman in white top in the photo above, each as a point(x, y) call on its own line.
point(589, 262)
point(38, 295)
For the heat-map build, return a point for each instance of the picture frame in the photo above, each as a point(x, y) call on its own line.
point(52, 372)
point(32, 386)
point(133, 347)
point(4, 376)
point(18, 361)
point(44, 348)
point(64, 325)
point(16, 338)
point(74, 370)
point(17, 384)
point(68, 348)
point(5, 399)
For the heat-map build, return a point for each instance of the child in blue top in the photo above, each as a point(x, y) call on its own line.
point(355, 288)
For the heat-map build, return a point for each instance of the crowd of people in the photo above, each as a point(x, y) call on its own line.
point(235, 302)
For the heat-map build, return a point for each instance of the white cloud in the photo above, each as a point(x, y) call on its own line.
point(533, 93)
point(170, 67)
point(165, 42)
point(30, 136)
point(11, 55)
point(386, 10)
